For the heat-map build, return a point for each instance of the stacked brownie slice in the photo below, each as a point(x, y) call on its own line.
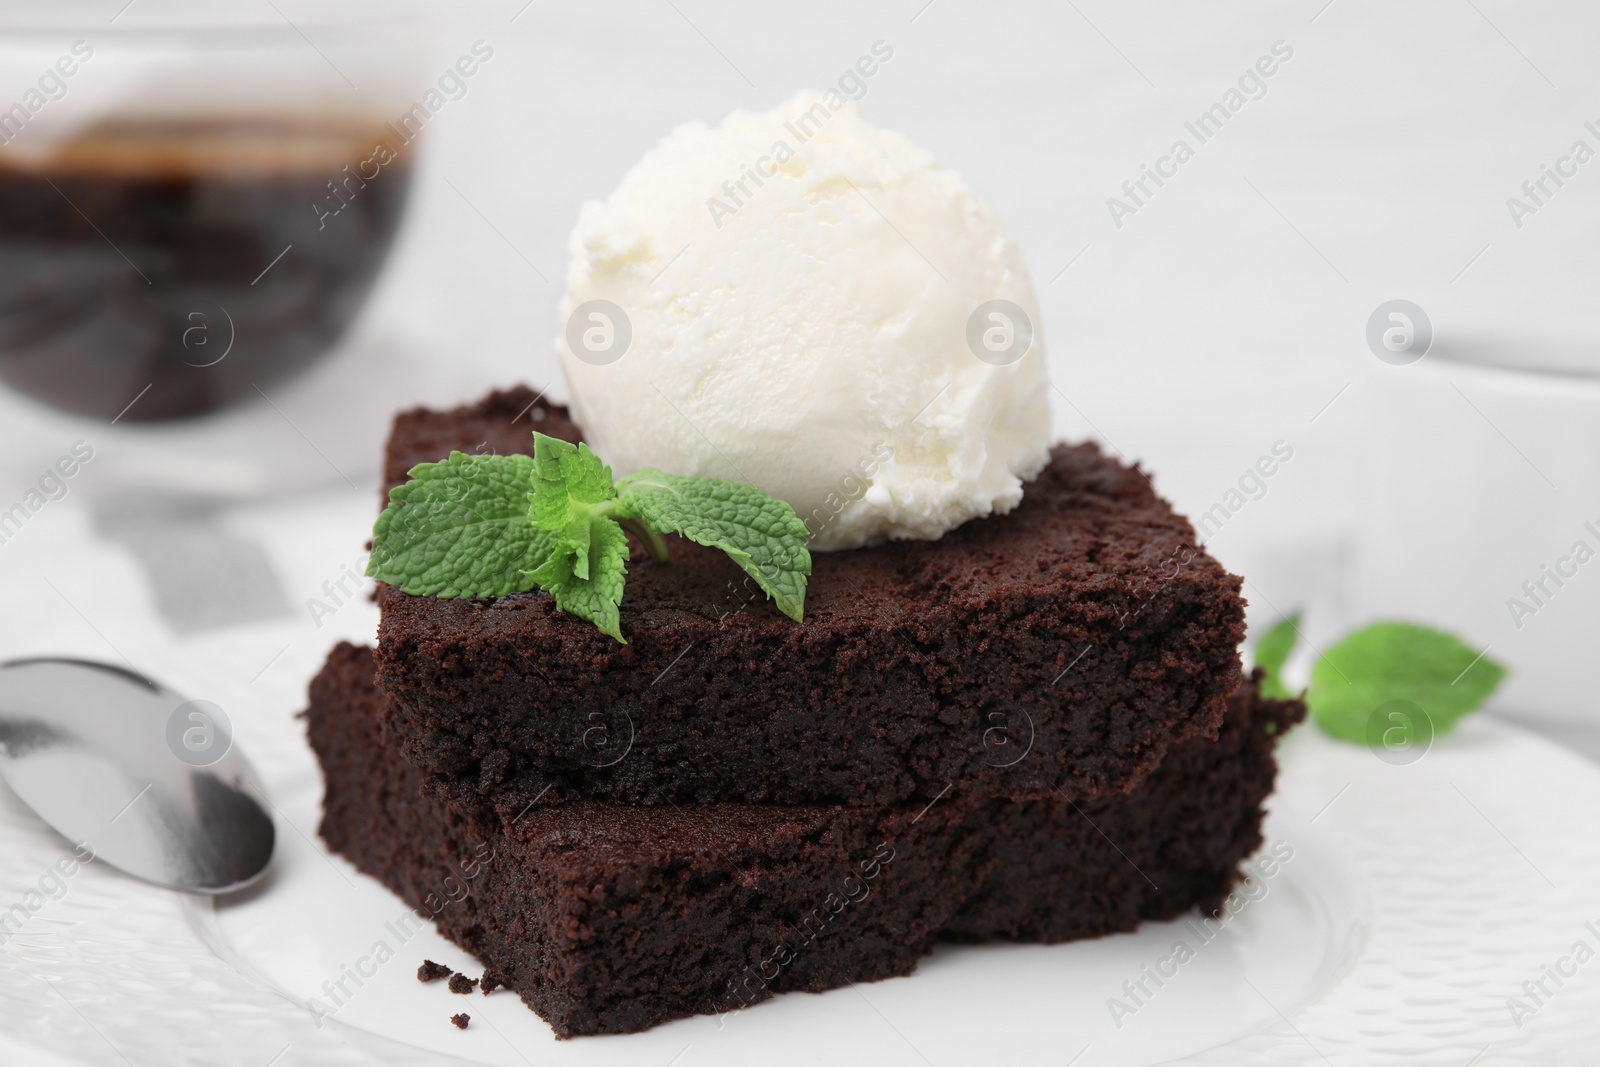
point(1032, 728)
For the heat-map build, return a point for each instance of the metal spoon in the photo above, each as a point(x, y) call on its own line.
point(146, 779)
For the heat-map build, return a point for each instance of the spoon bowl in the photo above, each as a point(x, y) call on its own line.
point(133, 772)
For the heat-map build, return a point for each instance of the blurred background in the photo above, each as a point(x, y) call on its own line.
point(1203, 323)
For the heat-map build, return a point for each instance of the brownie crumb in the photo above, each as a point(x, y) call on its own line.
point(492, 981)
point(430, 971)
point(461, 1020)
point(460, 983)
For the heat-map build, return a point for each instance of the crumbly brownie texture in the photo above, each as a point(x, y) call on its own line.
point(1085, 630)
point(432, 972)
point(609, 918)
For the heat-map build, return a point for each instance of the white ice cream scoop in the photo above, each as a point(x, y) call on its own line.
point(804, 302)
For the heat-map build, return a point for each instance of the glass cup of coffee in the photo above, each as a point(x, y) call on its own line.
point(195, 198)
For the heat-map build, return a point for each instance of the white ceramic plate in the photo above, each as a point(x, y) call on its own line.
point(1418, 899)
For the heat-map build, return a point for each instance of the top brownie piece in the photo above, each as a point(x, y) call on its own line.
point(1063, 647)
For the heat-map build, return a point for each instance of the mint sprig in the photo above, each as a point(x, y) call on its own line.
point(476, 526)
point(1387, 661)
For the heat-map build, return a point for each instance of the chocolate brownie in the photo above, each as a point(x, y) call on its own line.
point(609, 918)
point(1065, 645)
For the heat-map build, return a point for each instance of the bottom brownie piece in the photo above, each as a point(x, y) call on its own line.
point(609, 919)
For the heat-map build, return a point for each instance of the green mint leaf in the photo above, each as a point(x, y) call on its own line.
point(1391, 661)
point(586, 575)
point(572, 494)
point(760, 533)
point(1272, 652)
point(460, 528)
point(569, 480)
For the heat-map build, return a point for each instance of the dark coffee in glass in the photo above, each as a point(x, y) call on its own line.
point(187, 265)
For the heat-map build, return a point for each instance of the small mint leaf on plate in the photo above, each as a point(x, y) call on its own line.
point(460, 528)
point(760, 533)
point(1272, 652)
point(1391, 661)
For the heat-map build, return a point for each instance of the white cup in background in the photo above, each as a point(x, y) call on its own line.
point(1482, 514)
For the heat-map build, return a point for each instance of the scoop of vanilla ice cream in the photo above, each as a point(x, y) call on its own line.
point(801, 301)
